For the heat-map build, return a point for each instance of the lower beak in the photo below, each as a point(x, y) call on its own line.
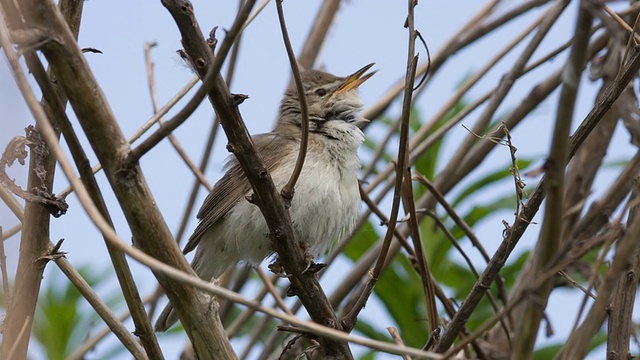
point(356, 79)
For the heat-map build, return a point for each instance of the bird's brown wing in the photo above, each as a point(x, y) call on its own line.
point(231, 188)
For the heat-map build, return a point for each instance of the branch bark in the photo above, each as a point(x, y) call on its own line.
point(34, 242)
point(150, 232)
point(550, 238)
point(303, 283)
point(535, 199)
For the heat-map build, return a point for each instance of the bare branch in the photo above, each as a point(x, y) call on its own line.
point(288, 189)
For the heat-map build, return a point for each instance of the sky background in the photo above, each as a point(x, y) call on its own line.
point(364, 32)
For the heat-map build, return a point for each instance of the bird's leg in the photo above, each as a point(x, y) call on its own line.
point(314, 267)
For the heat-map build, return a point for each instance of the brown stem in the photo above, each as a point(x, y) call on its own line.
point(150, 232)
point(548, 242)
point(619, 326)
point(412, 63)
point(288, 190)
point(318, 33)
point(267, 198)
point(535, 199)
point(35, 236)
point(123, 272)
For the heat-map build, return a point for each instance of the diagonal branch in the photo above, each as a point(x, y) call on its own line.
point(551, 232)
point(268, 199)
point(149, 230)
point(35, 236)
point(412, 63)
point(123, 272)
point(514, 233)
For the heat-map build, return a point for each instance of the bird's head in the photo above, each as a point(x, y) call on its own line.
point(332, 101)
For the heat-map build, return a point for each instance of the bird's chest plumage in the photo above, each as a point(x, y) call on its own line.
point(327, 199)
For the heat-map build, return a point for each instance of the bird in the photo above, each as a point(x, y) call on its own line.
point(326, 204)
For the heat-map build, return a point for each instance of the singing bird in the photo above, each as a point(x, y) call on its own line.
point(326, 201)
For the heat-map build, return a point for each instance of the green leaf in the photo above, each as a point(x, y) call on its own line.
point(400, 289)
point(414, 120)
point(63, 321)
point(547, 352)
point(428, 162)
point(369, 331)
point(489, 179)
point(361, 242)
point(370, 355)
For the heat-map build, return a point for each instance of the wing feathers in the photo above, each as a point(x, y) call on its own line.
point(233, 186)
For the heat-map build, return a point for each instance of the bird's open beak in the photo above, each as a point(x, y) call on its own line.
point(356, 79)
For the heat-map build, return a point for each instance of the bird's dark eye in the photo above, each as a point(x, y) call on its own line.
point(321, 92)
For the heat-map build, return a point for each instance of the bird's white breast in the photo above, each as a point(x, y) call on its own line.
point(325, 205)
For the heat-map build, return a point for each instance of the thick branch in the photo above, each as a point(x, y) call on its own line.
point(35, 236)
point(551, 233)
point(150, 232)
point(533, 203)
point(266, 196)
point(129, 290)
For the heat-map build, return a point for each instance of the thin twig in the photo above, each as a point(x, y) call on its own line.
point(407, 188)
point(272, 290)
point(288, 189)
point(12, 231)
point(147, 125)
point(620, 22)
point(209, 80)
point(12, 203)
point(258, 9)
point(350, 318)
point(154, 101)
point(5, 277)
point(573, 282)
point(452, 213)
point(395, 335)
point(372, 205)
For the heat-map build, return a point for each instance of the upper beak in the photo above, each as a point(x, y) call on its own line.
point(356, 79)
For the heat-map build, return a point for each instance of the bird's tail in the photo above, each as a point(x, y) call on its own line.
point(206, 270)
point(167, 318)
